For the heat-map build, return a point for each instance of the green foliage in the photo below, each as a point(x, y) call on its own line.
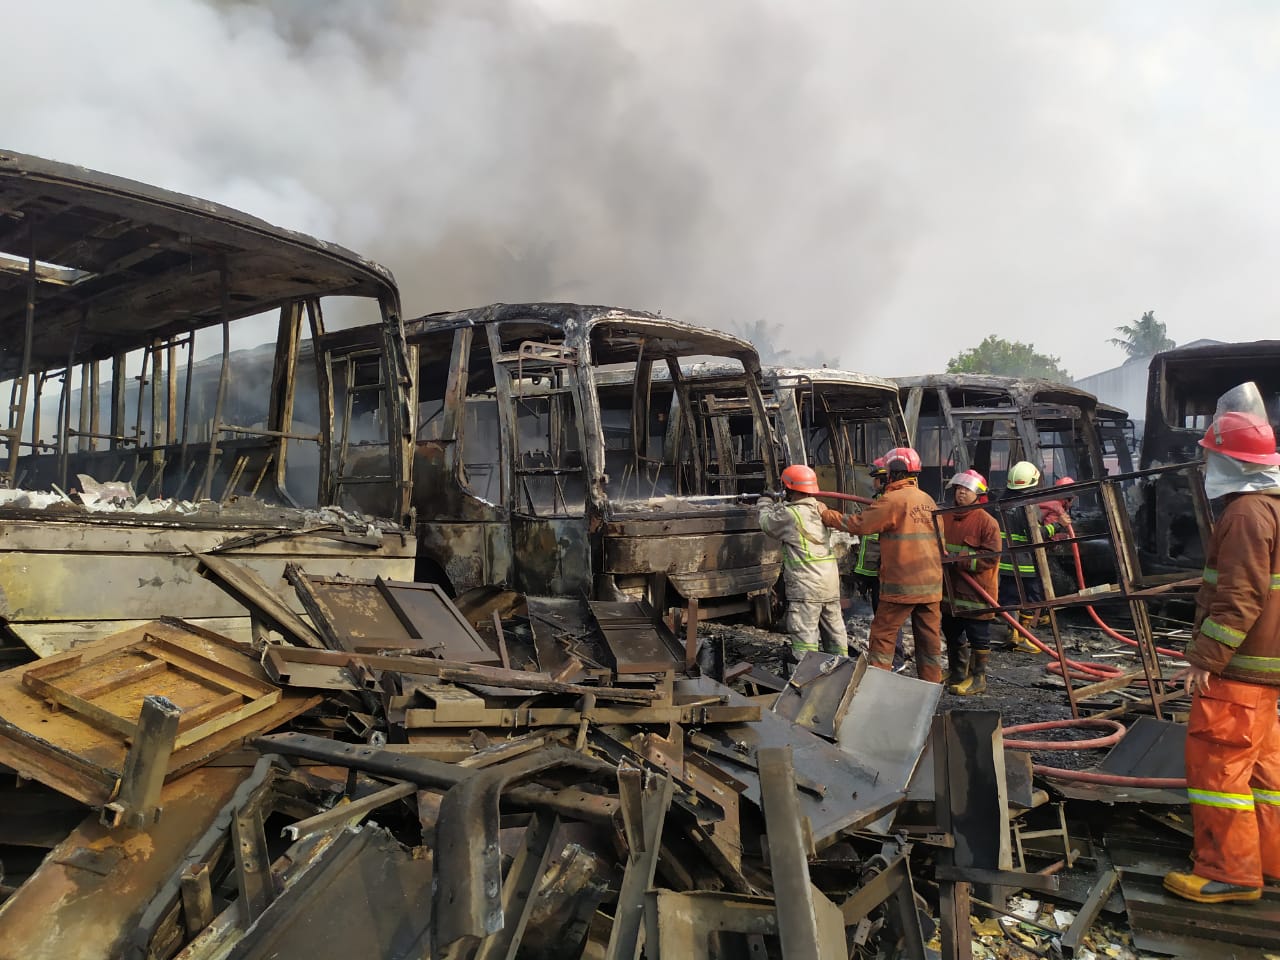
point(1143, 339)
point(1009, 359)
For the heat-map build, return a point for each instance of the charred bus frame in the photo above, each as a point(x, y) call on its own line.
point(105, 286)
point(550, 457)
point(1183, 387)
point(988, 423)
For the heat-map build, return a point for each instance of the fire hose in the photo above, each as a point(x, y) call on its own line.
point(1082, 776)
point(1093, 614)
point(851, 497)
point(1086, 670)
point(1090, 671)
point(1085, 776)
point(1082, 670)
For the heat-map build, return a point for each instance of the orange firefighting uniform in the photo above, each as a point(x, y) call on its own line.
point(968, 532)
point(910, 573)
point(1233, 736)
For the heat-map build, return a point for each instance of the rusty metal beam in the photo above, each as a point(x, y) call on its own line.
point(518, 889)
point(138, 802)
point(893, 882)
point(788, 855)
point(1088, 913)
point(468, 903)
point(253, 863)
point(644, 812)
point(344, 813)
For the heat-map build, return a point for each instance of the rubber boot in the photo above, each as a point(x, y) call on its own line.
point(1189, 886)
point(976, 682)
point(957, 663)
point(1028, 620)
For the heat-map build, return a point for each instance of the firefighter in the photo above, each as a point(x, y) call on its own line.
point(866, 568)
point(963, 610)
point(910, 564)
point(1233, 736)
point(809, 569)
point(1055, 512)
point(1024, 476)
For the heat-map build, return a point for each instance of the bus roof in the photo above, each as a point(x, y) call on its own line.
point(1029, 390)
point(119, 261)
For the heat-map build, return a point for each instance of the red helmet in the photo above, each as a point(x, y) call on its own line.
point(877, 467)
point(1242, 436)
point(1063, 482)
point(903, 459)
point(800, 478)
point(971, 480)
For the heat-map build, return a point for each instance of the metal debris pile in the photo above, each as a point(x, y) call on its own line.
point(385, 778)
point(385, 773)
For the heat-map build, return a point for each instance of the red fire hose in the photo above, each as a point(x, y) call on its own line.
point(851, 497)
point(1110, 740)
point(1088, 671)
point(1085, 776)
point(1114, 635)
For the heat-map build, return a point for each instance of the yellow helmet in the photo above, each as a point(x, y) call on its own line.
point(1023, 475)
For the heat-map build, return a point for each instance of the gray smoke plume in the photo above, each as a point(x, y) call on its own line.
point(889, 183)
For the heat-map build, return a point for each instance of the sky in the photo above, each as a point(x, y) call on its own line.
point(886, 183)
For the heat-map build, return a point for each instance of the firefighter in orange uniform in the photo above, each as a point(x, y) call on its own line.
point(1233, 736)
point(910, 564)
point(964, 613)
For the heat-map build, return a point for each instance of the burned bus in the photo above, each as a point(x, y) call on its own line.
point(1183, 387)
point(988, 423)
point(553, 456)
point(118, 461)
point(837, 422)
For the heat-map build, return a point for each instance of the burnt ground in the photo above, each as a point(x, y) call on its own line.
point(1018, 684)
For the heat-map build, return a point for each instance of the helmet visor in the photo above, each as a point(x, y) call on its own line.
point(1245, 398)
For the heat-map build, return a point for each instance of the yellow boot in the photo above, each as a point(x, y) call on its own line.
point(958, 661)
point(1189, 886)
point(1020, 642)
point(976, 681)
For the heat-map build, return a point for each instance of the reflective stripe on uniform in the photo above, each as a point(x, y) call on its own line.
point(1212, 629)
point(889, 535)
point(1271, 797)
point(862, 566)
point(963, 550)
point(1228, 801)
point(1256, 664)
point(1210, 576)
point(908, 589)
point(1008, 566)
point(804, 561)
point(805, 542)
point(961, 604)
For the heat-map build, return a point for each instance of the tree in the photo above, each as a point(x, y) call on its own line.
point(1008, 358)
point(1143, 339)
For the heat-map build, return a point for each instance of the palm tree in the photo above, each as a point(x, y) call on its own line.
point(1143, 339)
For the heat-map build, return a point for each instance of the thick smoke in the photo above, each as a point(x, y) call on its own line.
point(887, 182)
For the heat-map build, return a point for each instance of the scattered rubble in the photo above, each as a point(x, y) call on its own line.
point(403, 781)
